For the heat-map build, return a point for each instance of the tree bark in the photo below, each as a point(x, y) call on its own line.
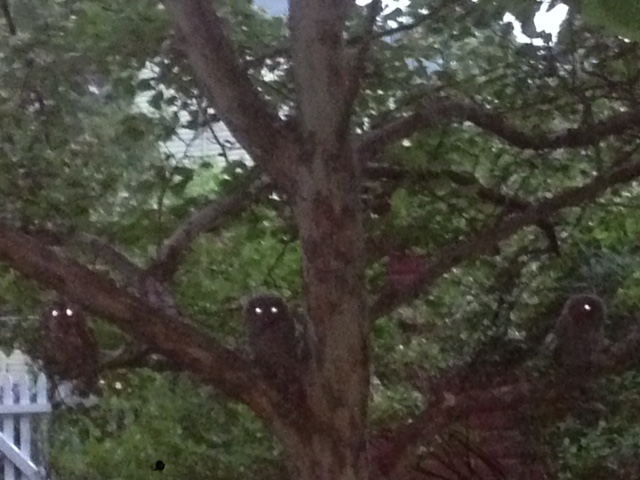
point(327, 210)
point(331, 233)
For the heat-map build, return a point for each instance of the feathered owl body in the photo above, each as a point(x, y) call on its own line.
point(580, 332)
point(273, 337)
point(70, 350)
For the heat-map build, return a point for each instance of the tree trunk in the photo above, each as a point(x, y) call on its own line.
point(325, 458)
point(332, 445)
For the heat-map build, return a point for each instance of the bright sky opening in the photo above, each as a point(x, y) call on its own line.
point(545, 21)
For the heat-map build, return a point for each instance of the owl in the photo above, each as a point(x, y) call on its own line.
point(580, 332)
point(273, 338)
point(70, 350)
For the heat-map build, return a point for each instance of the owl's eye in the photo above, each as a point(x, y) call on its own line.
point(274, 309)
point(69, 312)
point(586, 307)
point(55, 313)
point(258, 310)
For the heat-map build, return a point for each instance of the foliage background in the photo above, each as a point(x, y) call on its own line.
point(77, 156)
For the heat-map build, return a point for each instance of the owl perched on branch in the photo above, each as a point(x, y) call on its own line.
point(580, 332)
point(70, 350)
point(276, 344)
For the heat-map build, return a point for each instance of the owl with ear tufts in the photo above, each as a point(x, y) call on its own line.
point(274, 339)
point(70, 350)
point(580, 333)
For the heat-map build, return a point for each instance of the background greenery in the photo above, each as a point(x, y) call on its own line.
point(80, 159)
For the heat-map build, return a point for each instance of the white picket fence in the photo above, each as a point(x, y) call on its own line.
point(23, 394)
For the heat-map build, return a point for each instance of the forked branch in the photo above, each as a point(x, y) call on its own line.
point(251, 120)
point(178, 340)
point(441, 111)
point(485, 240)
point(208, 219)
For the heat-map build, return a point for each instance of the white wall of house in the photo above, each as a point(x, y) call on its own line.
point(213, 143)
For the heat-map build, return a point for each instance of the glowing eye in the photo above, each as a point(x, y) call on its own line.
point(587, 307)
point(274, 310)
point(55, 313)
point(258, 310)
point(69, 312)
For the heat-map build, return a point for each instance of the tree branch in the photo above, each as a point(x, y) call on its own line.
point(441, 111)
point(511, 203)
point(95, 246)
point(511, 390)
point(4, 5)
point(228, 87)
point(459, 178)
point(178, 341)
point(284, 50)
point(109, 254)
point(214, 215)
point(208, 219)
point(358, 65)
point(485, 240)
point(138, 357)
point(451, 408)
point(623, 354)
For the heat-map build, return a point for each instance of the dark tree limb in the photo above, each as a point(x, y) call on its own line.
point(134, 357)
point(8, 17)
point(251, 120)
point(6, 12)
point(514, 391)
point(180, 342)
point(622, 355)
point(109, 254)
point(452, 408)
point(94, 246)
point(511, 203)
point(357, 67)
point(485, 240)
point(208, 219)
point(440, 111)
point(183, 345)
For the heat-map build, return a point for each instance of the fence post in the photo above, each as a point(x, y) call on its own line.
point(21, 397)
